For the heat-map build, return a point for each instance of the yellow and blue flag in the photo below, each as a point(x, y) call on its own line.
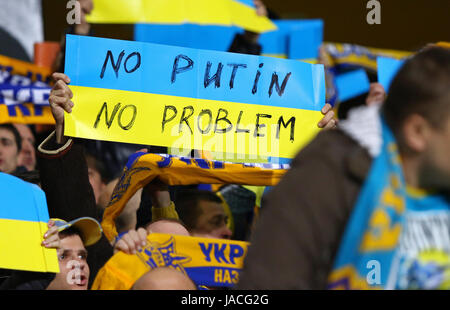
point(239, 13)
point(396, 237)
point(23, 223)
point(345, 55)
point(192, 99)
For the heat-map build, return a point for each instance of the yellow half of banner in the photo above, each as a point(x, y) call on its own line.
point(189, 123)
point(202, 12)
point(24, 251)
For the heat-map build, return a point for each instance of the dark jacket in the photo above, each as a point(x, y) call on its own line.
point(241, 45)
point(65, 181)
point(303, 218)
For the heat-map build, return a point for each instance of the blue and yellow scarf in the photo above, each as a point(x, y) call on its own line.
point(396, 238)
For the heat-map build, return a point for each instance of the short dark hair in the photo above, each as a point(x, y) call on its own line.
point(422, 86)
point(71, 231)
point(32, 176)
point(187, 205)
point(15, 132)
point(94, 162)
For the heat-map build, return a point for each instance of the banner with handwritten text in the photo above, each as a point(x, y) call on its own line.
point(191, 99)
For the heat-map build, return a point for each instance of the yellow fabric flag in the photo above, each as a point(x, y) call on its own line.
point(24, 92)
point(142, 168)
point(201, 12)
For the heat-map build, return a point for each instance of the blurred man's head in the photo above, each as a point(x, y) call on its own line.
point(97, 176)
point(376, 95)
point(10, 146)
point(72, 255)
point(417, 110)
point(203, 214)
point(167, 226)
point(27, 156)
point(164, 278)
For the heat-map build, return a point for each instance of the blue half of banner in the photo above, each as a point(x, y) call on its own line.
point(23, 223)
point(352, 84)
point(387, 69)
point(294, 39)
point(183, 72)
point(208, 37)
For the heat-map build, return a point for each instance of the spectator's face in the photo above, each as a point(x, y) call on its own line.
point(167, 227)
point(27, 155)
point(212, 222)
point(86, 6)
point(435, 168)
point(8, 151)
point(96, 182)
point(74, 270)
point(376, 94)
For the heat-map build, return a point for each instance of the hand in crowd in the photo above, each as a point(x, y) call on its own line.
point(132, 241)
point(261, 9)
point(158, 190)
point(324, 58)
point(60, 101)
point(51, 237)
point(377, 95)
point(84, 27)
point(159, 193)
point(328, 121)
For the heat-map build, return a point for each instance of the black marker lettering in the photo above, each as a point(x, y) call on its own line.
point(176, 70)
point(216, 77)
point(233, 73)
point(133, 118)
point(258, 125)
point(225, 119)
point(255, 84)
point(279, 90)
point(281, 122)
point(185, 118)
point(165, 120)
point(203, 112)
point(108, 121)
point(138, 62)
point(116, 66)
point(237, 124)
